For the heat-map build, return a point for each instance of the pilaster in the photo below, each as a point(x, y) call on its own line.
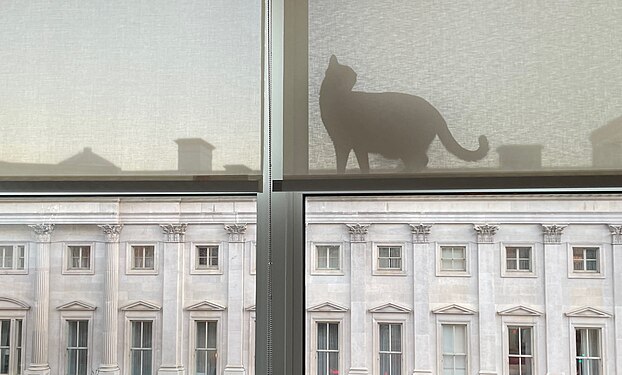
point(359, 354)
point(555, 269)
point(488, 331)
point(235, 299)
point(110, 363)
point(423, 264)
point(172, 299)
point(616, 245)
point(39, 360)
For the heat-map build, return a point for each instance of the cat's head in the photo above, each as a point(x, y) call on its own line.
point(340, 76)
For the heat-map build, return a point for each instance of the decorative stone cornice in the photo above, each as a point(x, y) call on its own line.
point(486, 232)
point(174, 232)
point(43, 232)
point(553, 233)
point(111, 232)
point(420, 232)
point(616, 234)
point(358, 232)
point(237, 232)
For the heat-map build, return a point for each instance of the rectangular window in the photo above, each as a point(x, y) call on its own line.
point(585, 259)
point(520, 356)
point(327, 349)
point(327, 257)
point(454, 349)
point(589, 357)
point(389, 257)
point(10, 346)
point(453, 258)
point(207, 258)
point(12, 257)
point(141, 349)
point(518, 259)
point(79, 258)
point(206, 351)
point(143, 257)
point(390, 348)
point(77, 347)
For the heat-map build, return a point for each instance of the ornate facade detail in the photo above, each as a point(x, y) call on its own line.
point(358, 232)
point(553, 233)
point(616, 234)
point(43, 232)
point(174, 232)
point(237, 232)
point(420, 232)
point(486, 232)
point(111, 232)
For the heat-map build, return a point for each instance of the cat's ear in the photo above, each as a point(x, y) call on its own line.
point(333, 59)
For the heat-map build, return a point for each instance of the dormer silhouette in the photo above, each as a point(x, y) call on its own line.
point(194, 155)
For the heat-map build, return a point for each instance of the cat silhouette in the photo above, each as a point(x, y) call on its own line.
point(394, 125)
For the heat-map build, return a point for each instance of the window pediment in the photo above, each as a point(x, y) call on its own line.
point(520, 311)
point(454, 309)
point(390, 308)
point(7, 303)
point(206, 306)
point(588, 312)
point(141, 306)
point(76, 306)
point(328, 307)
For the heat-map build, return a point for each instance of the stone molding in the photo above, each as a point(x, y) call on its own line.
point(111, 231)
point(454, 309)
point(205, 306)
point(141, 306)
point(553, 233)
point(390, 308)
point(520, 310)
point(237, 232)
point(7, 303)
point(588, 312)
point(174, 232)
point(327, 307)
point(420, 232)
point(358, 232)
point(76, 306)
point(485, 232)
point(43, 232)
point(616, 234)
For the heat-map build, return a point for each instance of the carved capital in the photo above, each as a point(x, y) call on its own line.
point(358, 232)
point(553, 233)
point(237, 232)
point(174, 232)
point(420, 232)
point(43, 232)
point(486, 232)
point(111, 232)
point(616, 234)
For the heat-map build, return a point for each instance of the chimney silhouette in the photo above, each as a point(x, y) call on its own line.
point(194, 155)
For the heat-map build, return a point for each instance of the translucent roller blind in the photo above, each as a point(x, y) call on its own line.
point(519, 85)
point(130, 87)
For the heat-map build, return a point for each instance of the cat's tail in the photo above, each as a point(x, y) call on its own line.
point(450, 143)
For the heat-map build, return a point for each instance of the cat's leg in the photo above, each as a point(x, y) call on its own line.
point(341, 153)
point(415, 162)
point(363, 159)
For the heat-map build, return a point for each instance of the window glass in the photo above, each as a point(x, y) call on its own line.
point(453, 258)
point(77, 347)
point(141, 350)
point(520, 359)
point(206, 351)
point(588, 360)
point(327, 348)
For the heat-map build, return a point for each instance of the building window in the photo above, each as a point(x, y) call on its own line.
point(389, 257)
point(589, 357)
point(520, 356)
point(79, 258)
point(328, 258)
point(141, 348)
point(143, 257)
point(390, 348)
point(77, 347)
point(12, 257)
point(454, 349)
point(207, 257)
point(453, 258)
point(10, 346)
point(518, 258)
point(327, 348)
point(585, 259)
point(206, 350)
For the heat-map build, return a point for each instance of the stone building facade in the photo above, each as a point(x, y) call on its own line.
point(127, 286)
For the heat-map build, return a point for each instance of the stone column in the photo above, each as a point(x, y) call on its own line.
point(423, 266)
point(555, 268)
point(172, 299)
point(110, 363)
point(39, 364)
point(488, 331)
point(616, 241)
point(235, 300)
point(359, 269)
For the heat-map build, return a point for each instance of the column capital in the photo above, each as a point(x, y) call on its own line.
point(174, 232)
point(111, 231)
point(43, 232)
point(553, 233)
point(616, 234)
point(420, 232)
point(485, 232)
point(358, 232)
point(237, 232)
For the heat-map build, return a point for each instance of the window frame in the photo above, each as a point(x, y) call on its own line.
point(390, 352)
point(195, 270)
point(586, 274)
point(13, 270)
point(129, 259)
point(602, 323)
point(316, 317)
point(13, 316)
point(67, 257)
point(440, 346)
point(315, 270)
point(73, 315)
point(141, 315)
point(521, 323)
point(200, 316)
point(440, 272)
point(377, 271)
point(600, 347)
point(403, 318)
point(535, 249)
